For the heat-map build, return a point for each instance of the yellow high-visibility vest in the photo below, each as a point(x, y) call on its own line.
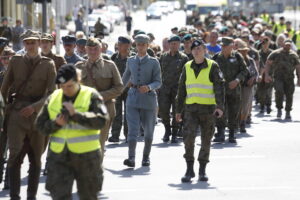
point(297, 42)
point(79, 139)
point(199, 89)
point(265, 17)
point(280, 28)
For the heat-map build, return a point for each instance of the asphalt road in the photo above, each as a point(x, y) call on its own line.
point(264, 165)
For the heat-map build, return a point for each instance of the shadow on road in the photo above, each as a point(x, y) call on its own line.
point(192, 186)
point(224, 145)
point(166, 145)
point(130, 172)
point(4, 193)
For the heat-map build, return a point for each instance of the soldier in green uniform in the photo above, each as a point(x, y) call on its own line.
point(187, 43)
point(235, 71)
point(283, 62)
point(73, 116)
point(201, 96)
point(171, 63)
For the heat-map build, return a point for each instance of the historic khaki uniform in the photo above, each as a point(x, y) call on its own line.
point(105, 77)
point(32, 79)
point(58, 60)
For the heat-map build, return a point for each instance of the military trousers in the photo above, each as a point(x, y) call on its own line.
point(135, 118)
point(232, 109)
point(118, 120)
point(110, 105)
point(264, 93)
point(192, 120)
point(166, 101)
point(66, 167)
point(284, 88)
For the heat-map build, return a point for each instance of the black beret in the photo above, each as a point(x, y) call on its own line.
point(197, 43)
point(65, 73)
point(3, 41)
point(174, 38)
point(69, 39)
point(124, 39)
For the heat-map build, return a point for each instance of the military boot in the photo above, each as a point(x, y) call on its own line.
point(288, 115)
point(243, 126)
point(262, 109)
point(131, 154)
point(189, 174)
point(174, 135)
point(129, 162)
point(269, 110)
point(33, 182)
point(232, 138)
point(202, 173)
point(166, 137)
point(279, 113)
point(146, 161)
point(220, 135)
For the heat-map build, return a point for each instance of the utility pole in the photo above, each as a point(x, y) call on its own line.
point(57, 26)
point(44, 13)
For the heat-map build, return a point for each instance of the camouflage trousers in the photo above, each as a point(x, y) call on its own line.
point(192, 120)
point(284, 88)
point(264, 93)
point(66, 167)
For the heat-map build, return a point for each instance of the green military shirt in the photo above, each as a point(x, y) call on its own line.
point(215, 76)
point(284, 63)
point(233, 67)
point(171, 67)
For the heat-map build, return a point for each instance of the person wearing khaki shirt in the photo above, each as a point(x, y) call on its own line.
point(46, 46)
point(29, 80)
point(104, 76)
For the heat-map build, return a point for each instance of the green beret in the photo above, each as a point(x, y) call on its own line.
point(174, 38)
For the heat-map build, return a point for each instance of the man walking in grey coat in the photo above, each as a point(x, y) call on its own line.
point(143, 76)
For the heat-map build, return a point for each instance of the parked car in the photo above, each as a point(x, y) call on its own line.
point(92, 19)
point(116, 13)
point(153, 12)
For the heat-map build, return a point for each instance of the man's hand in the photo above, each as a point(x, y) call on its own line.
point(178, 117)
point(144, 89)
point(218, 113)
point(61, 120)
point(69, 106)
point(27, 111)
point(233, 84)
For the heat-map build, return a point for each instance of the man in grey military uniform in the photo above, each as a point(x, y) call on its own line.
point(69, 43)
point(143, 76)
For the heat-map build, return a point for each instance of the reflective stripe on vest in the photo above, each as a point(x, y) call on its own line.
point(199, 89)
point(79, 139)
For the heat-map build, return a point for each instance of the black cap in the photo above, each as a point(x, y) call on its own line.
point(124, 40)
point(66, 73)
point(197, 43)
point(3, 41)
point(69, 39)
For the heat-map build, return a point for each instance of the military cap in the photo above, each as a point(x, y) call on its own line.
point(187, 37)
point(288, 41)
point(92, 42)
point(3, 42)
point(47, 36)
point(31, 35)
point(226, 41)
point(174, 29)
point(69, 39)
point(7, 51)
point(141, 38)
point(81, 41)
point(174, 38)
point(124, 40)
point(140, 32)
point(151, 35)
point(66, 73)
point(224, 29)
point(136, 31)
point(197, 43)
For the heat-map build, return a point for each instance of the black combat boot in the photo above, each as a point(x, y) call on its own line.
point(243, 126)
point(269, 110)
point(166, 137)
point(262, 109)
point(279, 113)
point(174, 135)
point(232, 138)
point(202, 173)
point(129, 162)
point(189, 174)
point(113, 139)
point(146, 161)
point(288, 115)
point(220, 135)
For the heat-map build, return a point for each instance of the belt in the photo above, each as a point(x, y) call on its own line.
point(135, 86)
point(30, 99)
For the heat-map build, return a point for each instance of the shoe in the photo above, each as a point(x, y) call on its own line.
point(279, 113)
point(269, 110)
point(288, 115)
point(113, 139)
point(189, 174)
point(166, 137)
point(146, 161)
point(231, 139)
point(202, 173)
point(174, 139)
point(219, 139)
point(249, 120)
point(129, 162)
point(262, 109)
point(243, 127)
point(220, 135)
